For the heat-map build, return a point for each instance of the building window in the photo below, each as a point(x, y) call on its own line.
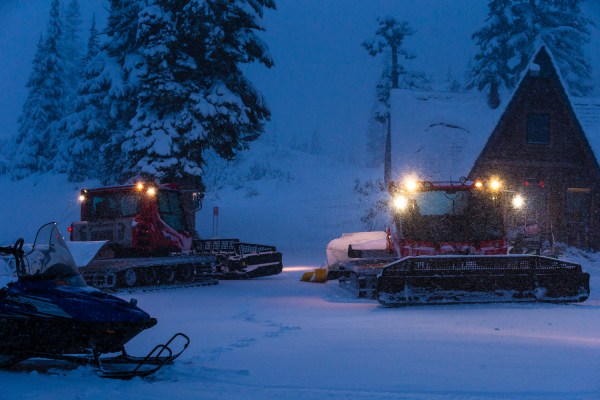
point(538, 128)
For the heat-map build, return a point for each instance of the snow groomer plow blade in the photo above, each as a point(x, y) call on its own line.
point(481, 279)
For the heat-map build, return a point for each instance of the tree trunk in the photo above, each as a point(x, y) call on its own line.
point(387, 158)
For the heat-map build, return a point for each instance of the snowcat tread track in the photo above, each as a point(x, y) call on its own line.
point(206, 282)
point(481, 279)
point(240, 260)
point(130, 273)
point(253, 265)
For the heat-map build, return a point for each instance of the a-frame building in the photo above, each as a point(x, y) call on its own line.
point(539, 149)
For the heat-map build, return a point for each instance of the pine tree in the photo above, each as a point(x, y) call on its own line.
point(513, 31)
point(388, 40)
point(32, 122)
point(155, 141)
point(193, 96)
point(565, 30)
point(38, 136)
point(86, 127)
point(237, 111)
point(492, 69)
point(72, 50)
point(106, 99)
point(120, 77)
point(389, 36)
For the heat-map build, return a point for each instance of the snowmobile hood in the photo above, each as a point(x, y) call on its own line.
point(83, 304)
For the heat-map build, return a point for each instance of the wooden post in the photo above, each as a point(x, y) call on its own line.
point(215, 221)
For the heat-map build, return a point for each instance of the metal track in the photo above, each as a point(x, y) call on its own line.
point(466, 279)
point(112, 274)
point(481, 279)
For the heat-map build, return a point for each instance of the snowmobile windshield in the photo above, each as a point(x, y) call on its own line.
point(453, 216)
point(50, 258)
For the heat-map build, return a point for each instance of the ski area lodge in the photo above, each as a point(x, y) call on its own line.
point(540, 142)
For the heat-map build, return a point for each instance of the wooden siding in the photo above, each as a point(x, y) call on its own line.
point(566, 165)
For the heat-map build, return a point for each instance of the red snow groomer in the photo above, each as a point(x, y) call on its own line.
point(152, 241)
point(448, 245)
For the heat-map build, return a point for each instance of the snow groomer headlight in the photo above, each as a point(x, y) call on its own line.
point(400, 202)
point(495, 184)
point(518, 201)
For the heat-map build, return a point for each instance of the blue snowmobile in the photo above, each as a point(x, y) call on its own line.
point(49, 312)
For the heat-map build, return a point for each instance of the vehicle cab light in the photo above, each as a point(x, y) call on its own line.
point(411, 185)
point(495, 184)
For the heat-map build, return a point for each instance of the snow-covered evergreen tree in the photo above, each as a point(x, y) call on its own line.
point(492, 68)
point(193, 95)
point(514, 29)
point(38, 135)
point(388, 42)
point(32, 122)
point(120, 76)
point(72, 50)
point(85, 127)
point(561, 25)
point(236, 111)
point(106, 98)
point(155, 142)
point(389, 36)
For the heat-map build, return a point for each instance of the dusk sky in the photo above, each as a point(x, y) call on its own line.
point(323, 80)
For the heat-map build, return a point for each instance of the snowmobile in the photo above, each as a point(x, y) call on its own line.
point(49, 312)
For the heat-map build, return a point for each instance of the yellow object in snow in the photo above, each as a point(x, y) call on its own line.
point(319, 275)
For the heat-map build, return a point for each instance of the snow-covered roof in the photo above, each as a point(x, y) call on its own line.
point(439, 135)
point(587, 111)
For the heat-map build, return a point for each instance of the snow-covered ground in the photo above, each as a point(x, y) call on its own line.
point(279, 338)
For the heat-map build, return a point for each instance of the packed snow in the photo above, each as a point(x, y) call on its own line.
point(279, 338)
